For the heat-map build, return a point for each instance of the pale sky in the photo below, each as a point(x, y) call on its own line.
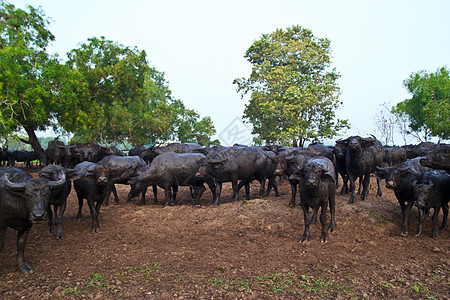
point(200, 45)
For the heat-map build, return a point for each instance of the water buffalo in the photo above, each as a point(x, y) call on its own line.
point(290, 163)
point(362, 157)
point(439, 158)
point(394, 156)
point(23, 201)
point(233, 164)
point(22, 156)
point(58, 196)
point(170, 170)
point(121, 170)
point(433, 191)
point(317, 185)
point(402, 179)
point(92, 186)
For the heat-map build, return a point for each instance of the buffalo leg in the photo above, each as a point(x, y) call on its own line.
point(306, 233)
point(293, 192)
point(174, 192)
point(235, 189)
point(332, 201)
point(422, 215)
point(21, 242)
point(155, 193)
point(218, 192)
point(435, 232)
point(168, 194)
point(405, 211)
point(351, 178)
point(366, 183)
point(94, 215)
point(59, 218)
point(379, 191)
point(200, 190)
point(323, 222)
point(51, 221)
point(80, 207)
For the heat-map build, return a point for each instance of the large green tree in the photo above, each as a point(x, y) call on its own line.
point(294, 91)
point(31, 95)
point(428, 111)
point(129, 101)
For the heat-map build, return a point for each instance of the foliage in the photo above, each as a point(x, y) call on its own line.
point(428, 110)
point(128, 100)
point(294, 94)
point(187, 128)
point(31, 96)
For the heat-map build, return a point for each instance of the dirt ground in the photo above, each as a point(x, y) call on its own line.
point(239, 250)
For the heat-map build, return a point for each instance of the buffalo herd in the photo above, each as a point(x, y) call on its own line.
point(418, 175)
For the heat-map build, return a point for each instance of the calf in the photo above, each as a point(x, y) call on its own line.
point(402, 179)
point(433, 191)
point(92, 186)
point(317, 185)
point(58, 196)
point(23, 201)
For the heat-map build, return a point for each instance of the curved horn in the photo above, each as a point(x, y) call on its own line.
point(14, 186)
point(58, 183)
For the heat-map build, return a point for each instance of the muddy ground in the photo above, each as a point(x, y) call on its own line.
point(239, 250)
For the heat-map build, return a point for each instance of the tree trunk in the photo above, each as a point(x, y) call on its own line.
point(294, 143)
point(33, 141)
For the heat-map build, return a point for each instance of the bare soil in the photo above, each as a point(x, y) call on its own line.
point(239, 250)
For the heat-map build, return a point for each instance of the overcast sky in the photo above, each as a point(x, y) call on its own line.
point(200, 45)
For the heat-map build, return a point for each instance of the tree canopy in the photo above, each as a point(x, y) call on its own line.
point(428, 111)
point(105, 92)
point(294, 93)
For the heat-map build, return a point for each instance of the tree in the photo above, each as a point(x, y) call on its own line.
point(428, 111)
point(188, 128)
point(129, 101)
point(294, 93)
point(126, 99)
point(29, 94)
point(385, 123)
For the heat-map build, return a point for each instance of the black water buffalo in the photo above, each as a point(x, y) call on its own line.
point(268, 173)
point(290, 163)
point(4, 157)
point(22, 156)
point(439, 158)
point(92, 186)
point(362, 157)
point(233, 164)
point(317, 185)
point(393, 155)
point(433, 191)
point(170, 170)
point(402, 179)
point(23, 201)
point(58, 153)
point(152, 152)
point(121, 170)
point(419, 150)
point(58, 196)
